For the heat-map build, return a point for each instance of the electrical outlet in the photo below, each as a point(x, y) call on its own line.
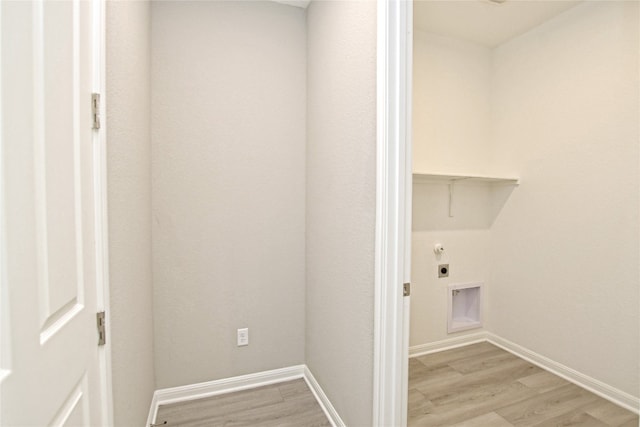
point(443, 270)
point(243, 337)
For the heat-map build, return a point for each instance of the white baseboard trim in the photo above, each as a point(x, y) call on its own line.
point(229, 385)
point(153, 411)
point(603, 390)
point(323, 400)
point(448, 344)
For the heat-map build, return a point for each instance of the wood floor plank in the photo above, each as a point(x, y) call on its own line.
point(543, 381)
point(220, 405)
point(421, 372)
point(505, 373)
point(473, 402)
point(573, 418)
point(546, 405)
point(290, 413)
point(448, 356)
point(476, 402)
point(293, 389)
point(490, 419)
point(418, 404)
point(630, 423)
point(611, 414)
point(499, 393)
point(442, 377)
point(477, 363)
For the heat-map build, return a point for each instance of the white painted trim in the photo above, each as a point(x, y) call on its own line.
point(226, 385)
point(101, 209)
point(5, 342)
point(153, 410)
point(406, 117)
point(593, 385)
point(447, 344)
point(323, 400)
point(390, 343)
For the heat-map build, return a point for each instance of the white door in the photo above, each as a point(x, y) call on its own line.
point(51, 368)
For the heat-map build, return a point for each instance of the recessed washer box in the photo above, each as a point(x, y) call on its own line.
point(464, 306)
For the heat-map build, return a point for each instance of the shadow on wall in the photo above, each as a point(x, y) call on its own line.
point(461, 206)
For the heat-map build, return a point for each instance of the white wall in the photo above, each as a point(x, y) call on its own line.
point(468, 261)
point(228, 120)
point(451, 105)
point(565, 277)
point(341, 150)
point(451, 134)
point(129, 200)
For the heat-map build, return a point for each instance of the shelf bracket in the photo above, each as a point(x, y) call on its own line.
point(451, 188)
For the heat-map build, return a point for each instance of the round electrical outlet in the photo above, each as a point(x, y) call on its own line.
point(443, 270)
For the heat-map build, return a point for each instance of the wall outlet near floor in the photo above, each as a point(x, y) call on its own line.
point(243, 337)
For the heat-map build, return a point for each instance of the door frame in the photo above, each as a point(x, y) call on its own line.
point(393, 211)
point(101, 209)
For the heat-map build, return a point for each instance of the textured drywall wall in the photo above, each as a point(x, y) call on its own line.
point(228, 167)
point(466, 254)
point(451, 105)
point(129, 204)
point(565, 248)
point(341, 149)
point(451, 134)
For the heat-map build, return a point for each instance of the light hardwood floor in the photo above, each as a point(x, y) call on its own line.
point(288, 404)
point(478, 385)
point(481, 385)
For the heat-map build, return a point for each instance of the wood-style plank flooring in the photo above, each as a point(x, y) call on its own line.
point(481, 385)
point(288, 404)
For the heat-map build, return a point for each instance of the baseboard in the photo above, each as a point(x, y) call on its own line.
point(603, 390)
point(322, 399)
point(153, 411)
point(449, 343)
point(229, 385)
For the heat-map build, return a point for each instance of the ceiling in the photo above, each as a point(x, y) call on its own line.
point(482, 21)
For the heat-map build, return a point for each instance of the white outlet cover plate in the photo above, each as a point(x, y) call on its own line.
point(243, 337)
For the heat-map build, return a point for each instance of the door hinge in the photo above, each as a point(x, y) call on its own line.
point(102, 333)
point(406, 289)
point(95, 110)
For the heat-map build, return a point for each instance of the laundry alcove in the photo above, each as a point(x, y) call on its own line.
point(523, 150)
point(233, 126)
